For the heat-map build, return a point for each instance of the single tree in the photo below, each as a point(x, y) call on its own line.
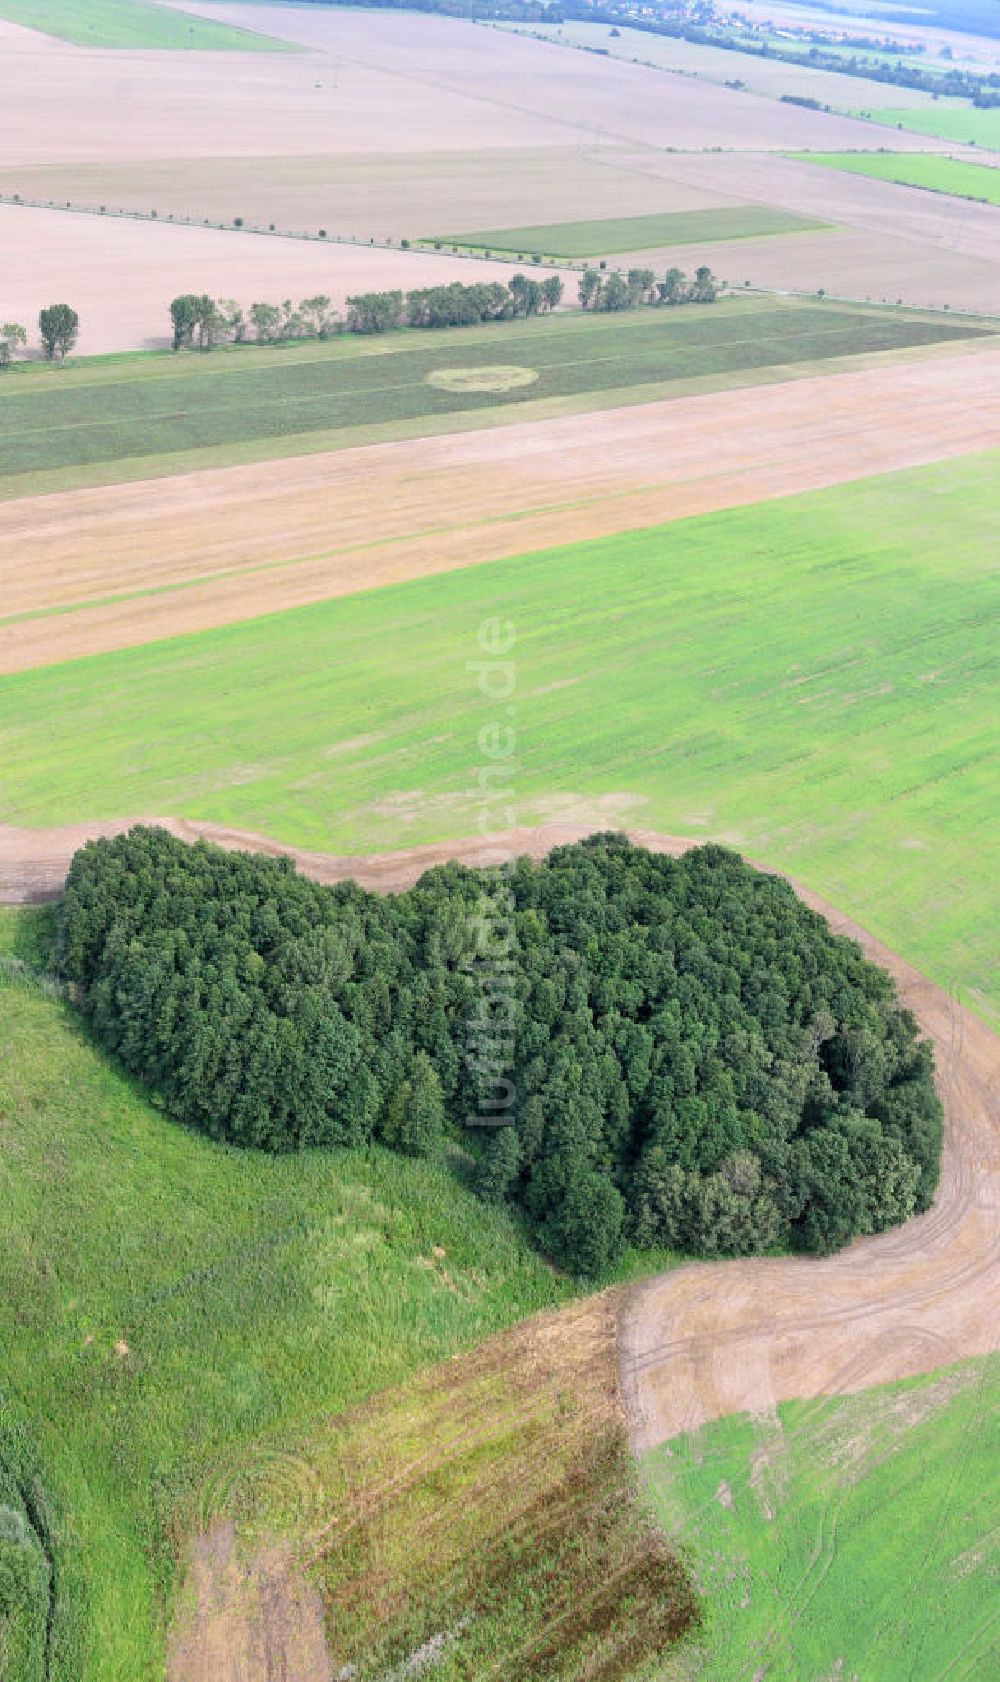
point(672, 287)
point(233, 318)
point(584, 1231)
point(374, 312)
point(660, 1201)
point(184, 316)
point(58, 326)
point(292, 325)
point(589, 289)
point(616, 294)
point(13, 337)
point(552, 292)
point(266, 320)
point(414, 1120)
point(526, 294)
point(640, 284)
point(209, 321)
point(317, 315)
point(705, 289)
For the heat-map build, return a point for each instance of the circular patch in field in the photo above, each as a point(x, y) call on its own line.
point(497, 376)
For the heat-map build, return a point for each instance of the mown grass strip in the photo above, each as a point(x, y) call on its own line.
point(895, 1488)
point(136, 23)
point(917, 169)
point(950, 121)
point(612, 234)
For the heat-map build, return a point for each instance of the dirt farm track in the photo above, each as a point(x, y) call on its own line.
point(716, 1338)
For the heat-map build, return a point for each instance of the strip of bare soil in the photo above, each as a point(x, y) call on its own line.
point(127, 564)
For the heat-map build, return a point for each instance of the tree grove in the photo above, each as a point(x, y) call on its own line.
point(697, 1061)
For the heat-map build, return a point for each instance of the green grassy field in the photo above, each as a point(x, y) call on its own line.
point(134, 23)
point(917, 169)
point(635, 233)
point(959, 121)
point(141, 407)
point(813, 678)
point(257, 1297)
point(846, 1538)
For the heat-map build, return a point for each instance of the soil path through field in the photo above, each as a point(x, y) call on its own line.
point(115, 566)
point(727, 1337)
point(257, 1619)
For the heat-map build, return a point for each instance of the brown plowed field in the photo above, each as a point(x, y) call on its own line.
point(249, 540)
point(927, 222)
point(408, 126)
point(852, 262)
point(530, 82)
point(368, 84)
point(727, 1337)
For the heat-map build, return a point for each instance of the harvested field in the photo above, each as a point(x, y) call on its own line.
point(113, 567)
point(378, 193)
point(768, 76)
point(449, 86)
point(887, 242)
point(845, 262)
point(720, 1338)
point(535, 80)
point(124, 273)
point(246, 1620)
point(487, 128)
point(855, 201)
point(245, 105)
point(637, 233)
point(89, 416)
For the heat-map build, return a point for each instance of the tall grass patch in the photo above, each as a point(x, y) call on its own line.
point(171, 1310)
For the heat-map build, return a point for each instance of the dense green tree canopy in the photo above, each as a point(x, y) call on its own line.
point(682, 1053)
point(58, 325)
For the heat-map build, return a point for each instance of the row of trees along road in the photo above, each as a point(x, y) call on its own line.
point(202, 321)
point(672, 1052)
point(198, 319)
point(58, 326)
point(598, 291)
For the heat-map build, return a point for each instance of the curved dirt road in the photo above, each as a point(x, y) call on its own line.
point(729, 1337)
point(725, 1337)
